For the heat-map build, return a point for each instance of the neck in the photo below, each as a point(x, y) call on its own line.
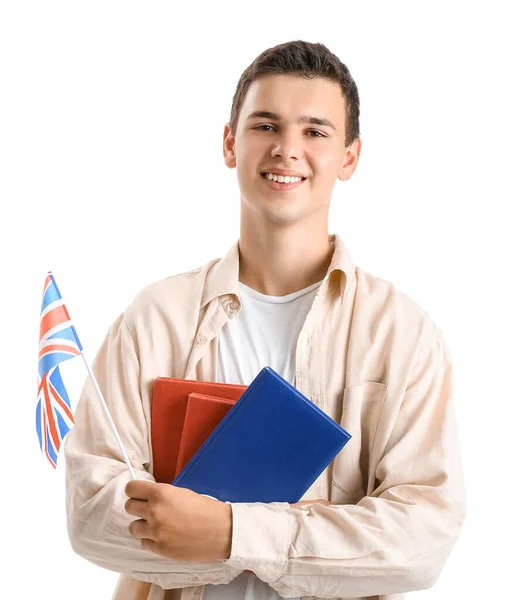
point(281, 260)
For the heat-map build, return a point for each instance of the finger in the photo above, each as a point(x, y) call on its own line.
point(137, 508)
point(305, 502)
point(139, 489)
point(151, 546)
point(140, 529)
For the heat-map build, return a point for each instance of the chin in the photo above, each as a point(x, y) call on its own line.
point(281, 215)
point(277, 209)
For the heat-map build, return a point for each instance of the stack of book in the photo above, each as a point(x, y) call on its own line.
point(265, 442)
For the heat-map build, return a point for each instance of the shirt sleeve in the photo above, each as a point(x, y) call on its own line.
point(394, 540)
point(96, 474)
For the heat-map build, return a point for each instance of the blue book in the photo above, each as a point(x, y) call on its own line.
point(270, 447)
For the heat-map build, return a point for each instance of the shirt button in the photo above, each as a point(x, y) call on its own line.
point(234, 304)
point(201, 339)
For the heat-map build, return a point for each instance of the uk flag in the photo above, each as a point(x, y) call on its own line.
point(58, 341)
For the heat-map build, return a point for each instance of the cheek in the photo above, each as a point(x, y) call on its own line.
point(326, 168)
point(248, 162)
point(242, 169)
point(252, 152)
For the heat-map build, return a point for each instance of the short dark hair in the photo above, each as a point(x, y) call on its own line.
point(307, 60)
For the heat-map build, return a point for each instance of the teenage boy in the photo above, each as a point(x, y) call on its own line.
point(383, 517)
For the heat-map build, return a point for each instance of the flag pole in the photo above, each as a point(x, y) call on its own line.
point(108, 414)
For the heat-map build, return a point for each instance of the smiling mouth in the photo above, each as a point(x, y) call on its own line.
point(281, 186)
point(282, 179)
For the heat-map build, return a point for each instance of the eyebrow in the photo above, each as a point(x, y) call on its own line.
point(264, 114)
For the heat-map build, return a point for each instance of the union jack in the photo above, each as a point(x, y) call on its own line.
point(58, 341)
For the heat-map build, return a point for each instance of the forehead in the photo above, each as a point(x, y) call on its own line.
point(292, 96)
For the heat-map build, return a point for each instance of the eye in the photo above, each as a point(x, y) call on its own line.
point(315, 131)
point(261, 127)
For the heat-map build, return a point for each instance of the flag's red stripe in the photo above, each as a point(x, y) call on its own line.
point(53, 318)
point(46, 452)
point(46, 285)
point(56, 347)
point(52, 425)
point(61, 403)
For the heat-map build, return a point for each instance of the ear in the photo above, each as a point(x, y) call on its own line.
point(350, 161)
point(228, 147)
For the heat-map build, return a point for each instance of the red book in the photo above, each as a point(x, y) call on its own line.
point(170, 401)
point(203, 414)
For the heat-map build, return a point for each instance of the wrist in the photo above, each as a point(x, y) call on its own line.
point(226, 530)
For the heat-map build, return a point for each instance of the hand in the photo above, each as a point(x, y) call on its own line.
point(303, 502)
point(178, 523)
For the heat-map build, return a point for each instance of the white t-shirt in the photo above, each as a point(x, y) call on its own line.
point(263, 334)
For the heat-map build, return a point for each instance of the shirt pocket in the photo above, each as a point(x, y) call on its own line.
point(361, 411)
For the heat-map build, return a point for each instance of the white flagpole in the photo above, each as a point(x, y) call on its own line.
point(108, 414)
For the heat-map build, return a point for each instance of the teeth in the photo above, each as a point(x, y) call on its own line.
point(282, 178)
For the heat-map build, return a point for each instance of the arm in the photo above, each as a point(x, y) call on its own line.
point(395, 540)
point(96, 475)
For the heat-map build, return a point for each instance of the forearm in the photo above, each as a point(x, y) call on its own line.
point(98, 528)
point(380, 546)
point(96, 476)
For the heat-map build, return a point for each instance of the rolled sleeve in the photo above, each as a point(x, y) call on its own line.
point(261, 538)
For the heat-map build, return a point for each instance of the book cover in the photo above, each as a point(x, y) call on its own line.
point(169, 406)
point(203, 415)
point(270, 447)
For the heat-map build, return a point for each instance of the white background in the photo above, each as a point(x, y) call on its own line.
point(112, 176)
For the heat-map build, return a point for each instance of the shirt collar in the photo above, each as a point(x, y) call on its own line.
point(223, 276)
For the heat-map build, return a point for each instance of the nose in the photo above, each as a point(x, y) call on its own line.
point(287, 146)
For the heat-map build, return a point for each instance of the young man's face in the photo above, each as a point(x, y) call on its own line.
point(290, 126)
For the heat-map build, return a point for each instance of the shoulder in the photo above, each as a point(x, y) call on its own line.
point(171, 293)
point(394, 309)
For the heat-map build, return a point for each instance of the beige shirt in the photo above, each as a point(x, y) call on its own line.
point(367, 355)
